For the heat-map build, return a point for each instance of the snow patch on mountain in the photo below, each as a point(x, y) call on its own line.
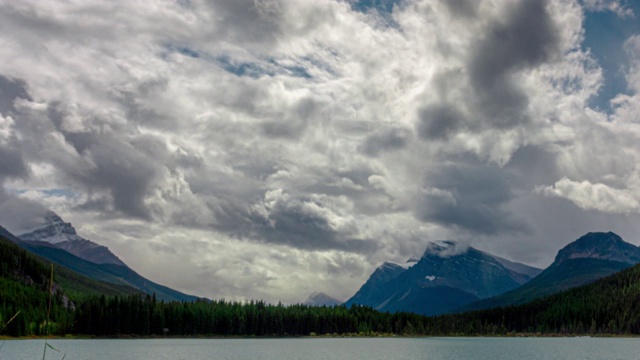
point(54, 230)
point(63, 235)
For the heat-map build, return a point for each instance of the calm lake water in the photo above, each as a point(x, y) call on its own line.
point(324, 349)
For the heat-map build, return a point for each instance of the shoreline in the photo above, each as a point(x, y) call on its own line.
point(346, 336)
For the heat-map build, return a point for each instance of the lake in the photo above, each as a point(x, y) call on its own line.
point(329, 348)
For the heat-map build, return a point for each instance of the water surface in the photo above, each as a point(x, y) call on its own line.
point(330, 348)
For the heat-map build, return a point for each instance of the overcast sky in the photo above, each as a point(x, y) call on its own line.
point(272, 148)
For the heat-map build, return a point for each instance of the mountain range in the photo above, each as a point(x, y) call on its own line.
point(589, 258)
point(448, 278)
point(57, 241)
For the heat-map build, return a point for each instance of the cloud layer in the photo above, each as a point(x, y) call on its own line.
point(270, 149)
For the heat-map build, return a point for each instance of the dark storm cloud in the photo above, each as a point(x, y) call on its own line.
point(471, 196)
point(137, 107)
point(468, 193)
point(10, 90)
point(111, 163)
point(463, 8)
point(534, 165)
point(248, 22)
point(119, 168)
point(352, 182)
point(156, 148)
point(18, 214)
point(290, 223)
point(293, 124)
point(300, 222)
point(394, 139)
point(358, 174)
point(153, 147)
point(12, 164)
point(439, 121)
point(526, 38)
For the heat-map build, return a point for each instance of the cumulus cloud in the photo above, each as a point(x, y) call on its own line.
point(394, 139)
point(525, 38)
point(625, 106)
point(477, 205)
point(594, 196)
point(10, 91)
point(266, 143)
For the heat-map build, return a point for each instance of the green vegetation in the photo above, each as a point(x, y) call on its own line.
point(608, 306)
point(558, 277)
point(145, 316)
point(23, 288)
point(108, 279)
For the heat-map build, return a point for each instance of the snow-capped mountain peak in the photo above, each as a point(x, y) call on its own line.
point(63, 235)
point(54, 230)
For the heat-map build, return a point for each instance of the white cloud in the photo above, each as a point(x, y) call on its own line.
point(6, 128)
point(597, 196)
point(627, 106)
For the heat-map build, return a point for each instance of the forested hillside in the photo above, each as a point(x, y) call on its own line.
point(24, 282)
point(24, 290)
point(608, 306)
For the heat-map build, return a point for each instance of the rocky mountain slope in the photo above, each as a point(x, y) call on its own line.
point(589, 258)
point(57, 241)
point(444, 278)
point(63, 235)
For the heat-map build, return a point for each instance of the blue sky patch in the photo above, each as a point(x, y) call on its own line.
point(242, 68)
point(382, 6)
point(605, 34)
point(53, 192)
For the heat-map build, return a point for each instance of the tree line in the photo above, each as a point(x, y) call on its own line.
point(145, 316)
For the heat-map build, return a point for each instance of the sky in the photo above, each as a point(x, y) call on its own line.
point(268, 149)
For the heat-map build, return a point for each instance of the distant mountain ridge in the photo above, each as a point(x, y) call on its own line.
point(57, 241)
point(9, 236)
point(321, 299)
point(446, 276)
point(373, 291)
point(605, 246)
point(63, 235)
point(70, 280)
point(589, 258)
